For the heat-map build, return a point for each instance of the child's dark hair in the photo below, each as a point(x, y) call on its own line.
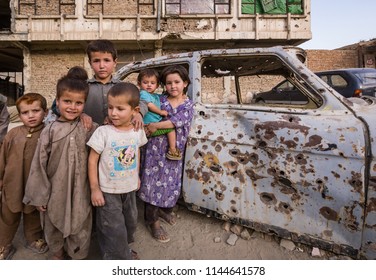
point(176, 69)
point(126, 89)
point(101, 45)
point(71, 82)
point(31, 97)
point(149, 72)
point(78, 72)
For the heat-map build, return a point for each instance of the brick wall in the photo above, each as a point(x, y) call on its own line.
point(319, 60)
point(48, 67)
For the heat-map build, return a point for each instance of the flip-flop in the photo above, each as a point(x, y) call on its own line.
point(38, 246)
point(168, 218)
point(158, 233)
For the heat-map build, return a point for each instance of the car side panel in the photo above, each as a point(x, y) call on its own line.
point(299, 176)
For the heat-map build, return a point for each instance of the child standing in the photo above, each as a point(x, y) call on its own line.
point(58, 183)
point(114, 181)
point(16, 155)
point(148, 81)
point(102, 57)
point(160, 178)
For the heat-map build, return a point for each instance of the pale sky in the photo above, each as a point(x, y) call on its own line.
point(338, 23)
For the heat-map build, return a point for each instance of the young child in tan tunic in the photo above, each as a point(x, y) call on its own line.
point(58, 183)
point(16, 154)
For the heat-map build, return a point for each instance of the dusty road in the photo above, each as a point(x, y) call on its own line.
point(196, 237)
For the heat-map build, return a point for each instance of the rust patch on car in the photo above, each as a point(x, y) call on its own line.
point(272, 171)
point(237, 190)
point(254, 158)
point(285, 188)
point(268, 198)
point(329, 213)
point(284, 208)
point(371, 206)
point(288, 143)
point(212, 162)
point(221, 186)
point(328, 233)
point(190, 173)
point(350, 220)
point(197, 154)
point(313, 140)
point(220, 138)
point(193, 142)
point(252, 174)
point(231, 166)
point(335, 174)
point(218, 148)
point(205, 177)
point(299, 158)
point(205, 191)
point(234, 210)
point(220, 196)
point(356, 182)
point(270, 127)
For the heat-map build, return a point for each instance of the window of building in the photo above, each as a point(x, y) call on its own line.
point(187, 7)
point(272, 7)
point(120, 8)
point(57, 7)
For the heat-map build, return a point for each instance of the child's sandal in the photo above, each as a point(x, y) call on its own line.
point(7, 252)
point(38, 246)
point(174, 154)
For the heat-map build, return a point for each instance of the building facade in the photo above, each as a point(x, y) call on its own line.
point(41, 39)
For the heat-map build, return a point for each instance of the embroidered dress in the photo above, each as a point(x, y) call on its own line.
point(161, 177)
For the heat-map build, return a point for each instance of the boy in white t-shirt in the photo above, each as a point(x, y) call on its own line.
point(115, 180)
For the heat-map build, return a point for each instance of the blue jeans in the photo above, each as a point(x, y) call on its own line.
point(116, 224)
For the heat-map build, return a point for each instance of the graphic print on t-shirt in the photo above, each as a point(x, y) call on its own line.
point(123, 159)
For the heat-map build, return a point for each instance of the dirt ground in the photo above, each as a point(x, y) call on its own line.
point(196, 237)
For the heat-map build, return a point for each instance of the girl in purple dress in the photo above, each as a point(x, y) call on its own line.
point(160, 177)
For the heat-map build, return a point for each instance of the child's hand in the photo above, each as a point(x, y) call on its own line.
point(164, 113)
point(86, 121)
point(138, 122)
point(42, 208)
point(150, 129)
point(97, 198)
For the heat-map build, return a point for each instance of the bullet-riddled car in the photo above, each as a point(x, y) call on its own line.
point(304, 171)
